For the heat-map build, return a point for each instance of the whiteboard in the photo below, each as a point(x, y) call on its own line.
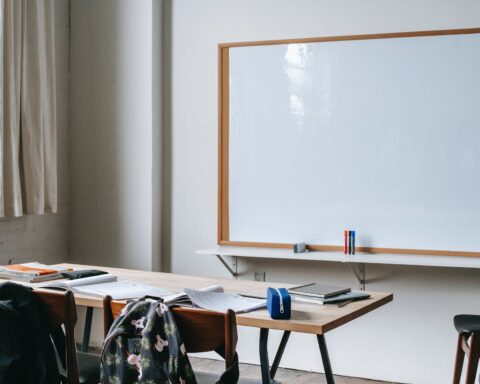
point(381, 136)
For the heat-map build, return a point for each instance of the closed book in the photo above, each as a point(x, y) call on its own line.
point(348, 296)
point(31, 269)
point(318, 290)
point(29, 278)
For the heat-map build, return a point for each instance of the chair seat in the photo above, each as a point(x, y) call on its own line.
point(467, 323)
point(88, 368)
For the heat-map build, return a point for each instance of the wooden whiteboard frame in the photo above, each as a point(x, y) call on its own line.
point(223, 236)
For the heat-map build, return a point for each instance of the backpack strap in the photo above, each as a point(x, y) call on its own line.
point(58, 338)
point(232, 374)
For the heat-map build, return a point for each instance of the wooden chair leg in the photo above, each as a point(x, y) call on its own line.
point(473, 357)
point(459, 358)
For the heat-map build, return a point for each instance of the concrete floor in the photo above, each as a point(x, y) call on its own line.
point(251, 374)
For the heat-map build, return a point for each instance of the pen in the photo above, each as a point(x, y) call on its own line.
point(345, 247)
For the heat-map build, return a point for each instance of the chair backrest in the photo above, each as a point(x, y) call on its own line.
point(60, 310)
point(202, 331)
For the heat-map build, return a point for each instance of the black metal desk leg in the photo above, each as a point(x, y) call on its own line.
point(87, 328)
point(264, 364)
point(326, 360)
point(279, 354)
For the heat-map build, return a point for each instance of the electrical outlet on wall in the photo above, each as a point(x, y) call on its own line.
point(259, 276)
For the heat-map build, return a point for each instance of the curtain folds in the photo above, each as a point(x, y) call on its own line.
point(28, 168)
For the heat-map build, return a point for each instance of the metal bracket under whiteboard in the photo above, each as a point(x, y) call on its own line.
point(234, 273)
point(358, 270)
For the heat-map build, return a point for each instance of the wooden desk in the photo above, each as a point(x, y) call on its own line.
point(306, 318)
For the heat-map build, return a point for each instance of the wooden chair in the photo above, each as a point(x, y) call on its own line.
point(202, 331)
point(60, 309)
point(468, 328)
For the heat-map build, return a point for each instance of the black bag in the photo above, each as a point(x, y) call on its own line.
point(144, 346)
point(27, 354)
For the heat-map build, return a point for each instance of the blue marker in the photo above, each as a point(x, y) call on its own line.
point(349, 242)
point(353, 242)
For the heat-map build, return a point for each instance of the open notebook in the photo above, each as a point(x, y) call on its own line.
point(222, 301)
point(108, 284)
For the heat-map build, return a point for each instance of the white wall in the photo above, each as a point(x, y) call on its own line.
point(111, 122)
point(410, 340)
point(44, 238)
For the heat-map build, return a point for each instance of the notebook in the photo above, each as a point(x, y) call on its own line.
point(318, 290)
point(348, 296)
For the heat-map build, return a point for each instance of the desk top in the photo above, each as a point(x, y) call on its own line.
point(366, 258)
point(306, 318)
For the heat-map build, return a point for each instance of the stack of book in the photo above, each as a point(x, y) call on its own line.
point(325, 294)
point(31, 272)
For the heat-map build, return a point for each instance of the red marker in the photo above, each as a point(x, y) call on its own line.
point(345, 248)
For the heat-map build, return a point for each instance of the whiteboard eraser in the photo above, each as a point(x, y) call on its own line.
point(299, 248)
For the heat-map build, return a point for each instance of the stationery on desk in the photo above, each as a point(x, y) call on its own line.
point(326, 294)
point(349, 242)
point(97, 283)
point(32, 272)
point(212, 298)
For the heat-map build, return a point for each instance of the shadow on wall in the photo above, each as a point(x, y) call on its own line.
point(98, 135)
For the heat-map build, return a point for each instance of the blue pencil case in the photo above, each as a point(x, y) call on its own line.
point(279, 303)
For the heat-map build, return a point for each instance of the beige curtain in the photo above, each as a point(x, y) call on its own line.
point(28, 144)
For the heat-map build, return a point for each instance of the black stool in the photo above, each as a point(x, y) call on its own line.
point(468, 327)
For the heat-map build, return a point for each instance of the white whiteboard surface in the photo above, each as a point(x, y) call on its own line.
point(379, 136)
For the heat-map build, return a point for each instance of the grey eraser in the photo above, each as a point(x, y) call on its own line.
point(299, 248)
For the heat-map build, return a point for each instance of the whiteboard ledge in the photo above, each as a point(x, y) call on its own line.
point(366, 258)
